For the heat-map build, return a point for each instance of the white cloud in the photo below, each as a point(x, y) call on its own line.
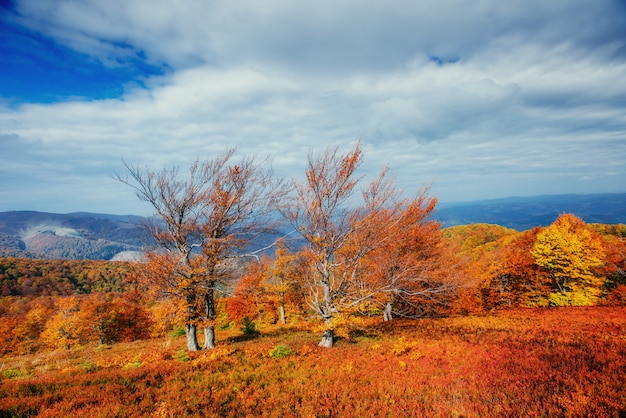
point(482, 98)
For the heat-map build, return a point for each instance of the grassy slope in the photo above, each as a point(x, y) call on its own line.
point(547, 362)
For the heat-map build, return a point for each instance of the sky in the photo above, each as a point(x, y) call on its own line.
point(476, 99)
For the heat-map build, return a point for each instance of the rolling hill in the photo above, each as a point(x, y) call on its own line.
point(110, 237)
point(69, 236)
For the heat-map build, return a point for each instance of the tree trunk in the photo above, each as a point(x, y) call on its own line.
point(327, 339)
point(190, 326)
point(387, 315)
point(209, 312)
point(192, 339)
point(329, 333)
point(209, 337)
point(283, 320)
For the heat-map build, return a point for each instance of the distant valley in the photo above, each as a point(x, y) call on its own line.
point(70, 236)
point(81, 235)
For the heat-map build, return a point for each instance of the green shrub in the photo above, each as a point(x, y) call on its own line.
point(177, 331)
point(249, 328)
point(11, 373)
point(182, 355)
point(89, 366)
point(280, 351)
point(132, 365)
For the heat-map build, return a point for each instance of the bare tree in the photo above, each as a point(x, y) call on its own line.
point(326, 213)
point(204, 222)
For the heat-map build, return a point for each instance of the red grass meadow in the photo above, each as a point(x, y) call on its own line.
point(533, 363)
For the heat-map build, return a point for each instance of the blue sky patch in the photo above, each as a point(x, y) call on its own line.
point(36, 69)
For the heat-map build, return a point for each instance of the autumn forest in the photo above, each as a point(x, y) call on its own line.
point(365, 307)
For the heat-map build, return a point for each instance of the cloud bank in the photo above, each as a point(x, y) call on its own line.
point(481, 99)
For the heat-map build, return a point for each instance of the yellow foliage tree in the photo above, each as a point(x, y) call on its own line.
point(570, 252)
point(65, 329)
point(281, 278)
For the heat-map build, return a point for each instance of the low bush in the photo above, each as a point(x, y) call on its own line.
point(281, 351)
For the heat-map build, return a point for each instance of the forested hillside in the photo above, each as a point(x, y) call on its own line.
point(566, 263)
point(33, 278)
point(77, 236)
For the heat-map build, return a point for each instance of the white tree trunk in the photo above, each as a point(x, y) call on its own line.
point(209, 337)
point(192, 340)
point(387, 315)
point(283, 319)
point(327, 339)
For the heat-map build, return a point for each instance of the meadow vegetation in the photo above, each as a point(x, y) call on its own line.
point(501, 345)
point(521, 362)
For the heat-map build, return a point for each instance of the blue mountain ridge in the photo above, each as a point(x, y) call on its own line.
point(522, 213)
point(83, 235)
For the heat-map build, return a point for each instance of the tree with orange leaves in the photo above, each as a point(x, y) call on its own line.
point(320, 211)
point(411, 270)
point(268, 288)
point(341, 232)
point(65, 329)
point(204, 223)
point(247, 296)
point(281, 277)
point(28, 331)
point(112, 318)
point(509, 275)
point(615, 269)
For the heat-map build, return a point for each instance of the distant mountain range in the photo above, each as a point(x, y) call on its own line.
point(112, 237)
point(522, 213)
point(69, 236)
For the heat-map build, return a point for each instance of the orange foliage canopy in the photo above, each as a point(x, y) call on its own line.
point(508, 274)
point(270, 290)
point(411, 272)
point(376, 251)
point(63, 322)
point(566, 263)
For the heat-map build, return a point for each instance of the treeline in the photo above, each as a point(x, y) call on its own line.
point(29, 325)
point(569, 263)
point(32, 278)
point(59, 304)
